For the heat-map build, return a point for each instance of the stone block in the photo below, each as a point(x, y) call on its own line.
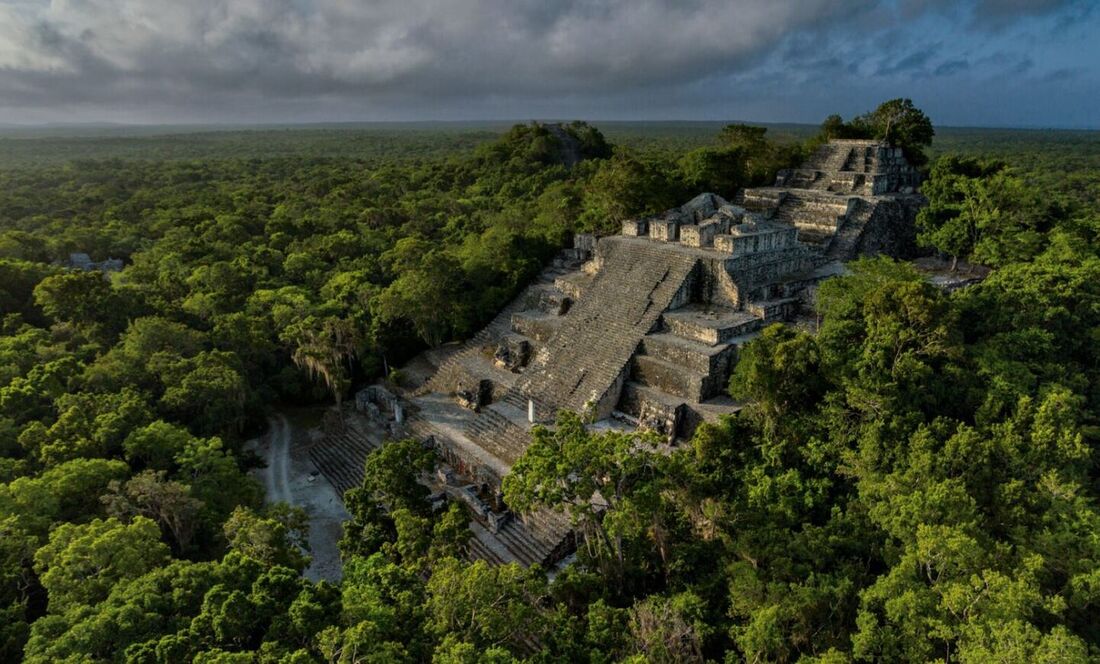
point(664, 230)
point(672, 378)
point(512, 353)
point(497, 520)
point(475, 396)
point(636, 227)
point(655, 412)
point(701, 235)
point(724, 242)
point(699, 357)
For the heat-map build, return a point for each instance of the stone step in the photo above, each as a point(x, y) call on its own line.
point(672, 378)
point(519, 542)
point(656, 410)
point(639, 398)
point(695, 355)
point(801, 212)
point(851, 183)
point(829, 157)
point(540, 537)
point(773, 310)
point(547, 523)
point(584, 360)
point(714, 408)
point(815, 237)
point(337, 471)
point(480, 551)
point(340, 458)
point(762, 199)
point(498, 433)
point(844, 244)
point(537, 325)
point(574, 284)
point(518, 400)
point(710, 325)
point(529, 297)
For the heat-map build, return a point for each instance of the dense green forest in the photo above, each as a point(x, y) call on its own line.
point(916, 481)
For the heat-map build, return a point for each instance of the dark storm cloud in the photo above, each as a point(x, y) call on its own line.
point(228, 60)
point(389, 48)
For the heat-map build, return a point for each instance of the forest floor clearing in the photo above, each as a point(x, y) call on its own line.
point(290, 477)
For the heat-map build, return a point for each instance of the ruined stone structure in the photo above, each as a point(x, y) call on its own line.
point(642, 329)
point(851, 197)
point(82, 261)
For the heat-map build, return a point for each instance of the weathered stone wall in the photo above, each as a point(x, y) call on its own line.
point(891, 229)
point(572, 285)
point(585, 242)
point(676, 379)
point(712, 283)
point(653, 414)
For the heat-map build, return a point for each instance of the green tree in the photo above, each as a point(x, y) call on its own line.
point(279, 537)
point(208, 391)
point(325, 349)
point(721, 171)
point(900, 123)
point(980, 211)
point(82, 298)
point(169, 503)
point(81, 563)
point(781, 371)
point(607, 481)
point(426, 291)
point(483, 605)
point(156, 445)
point(623, 186)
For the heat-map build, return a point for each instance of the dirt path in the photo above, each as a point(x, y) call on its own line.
point(277, 475)
point(291, 477)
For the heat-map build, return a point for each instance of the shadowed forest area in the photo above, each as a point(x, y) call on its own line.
point(916, 481)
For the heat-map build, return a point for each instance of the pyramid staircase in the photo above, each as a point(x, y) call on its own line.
point(817, 215)
point(542, 537)
point(340, 456)
point(845, 244)
point(592, 348)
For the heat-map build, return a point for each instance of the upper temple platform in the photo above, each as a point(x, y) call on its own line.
point(850, 197)
point(708, 222)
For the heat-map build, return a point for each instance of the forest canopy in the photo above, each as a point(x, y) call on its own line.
point(915, 479)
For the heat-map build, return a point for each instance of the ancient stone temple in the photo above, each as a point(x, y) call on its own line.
point(852, 197)
point(641, 329)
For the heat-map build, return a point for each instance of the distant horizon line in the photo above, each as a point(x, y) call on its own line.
point(489, 121)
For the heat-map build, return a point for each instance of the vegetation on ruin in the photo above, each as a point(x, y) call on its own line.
point(915, 480)
point(897, 121)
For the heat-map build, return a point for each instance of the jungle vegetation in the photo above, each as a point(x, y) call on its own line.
point(917, 480)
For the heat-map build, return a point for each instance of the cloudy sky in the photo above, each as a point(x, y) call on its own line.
point(976, 62)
